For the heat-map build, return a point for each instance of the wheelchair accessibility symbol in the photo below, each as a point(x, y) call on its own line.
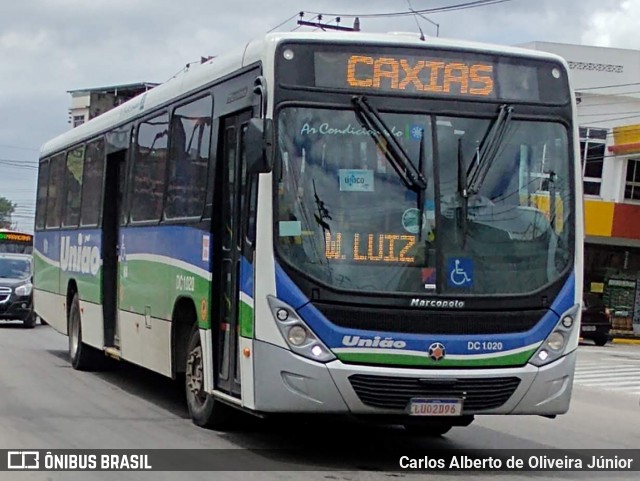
point(460, 272)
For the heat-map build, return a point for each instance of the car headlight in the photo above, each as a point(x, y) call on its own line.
point(297, 334)
point(562, 340)
point(24, 290)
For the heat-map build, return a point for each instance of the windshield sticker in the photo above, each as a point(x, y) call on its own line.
point(415, 131)
point(430, 209)
point(205, 248)
point(460, 271)
point(290, 228)
point(410, 220)
point(429, 277)
point(326, 129)
point(356, 180)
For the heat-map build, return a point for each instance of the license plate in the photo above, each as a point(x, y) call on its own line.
point(588, 328)
point(435, 407)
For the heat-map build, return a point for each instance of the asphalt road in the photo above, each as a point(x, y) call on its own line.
point(45, 404)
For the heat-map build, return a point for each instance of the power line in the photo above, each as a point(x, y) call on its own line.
point(282, 23)
point(608, 113)
point(446, 8)
point(18, 147)
point(582, 104)
point(607, 86)
point(619, 118)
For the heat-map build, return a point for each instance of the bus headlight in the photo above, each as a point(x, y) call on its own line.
point(24, 290)
point(555, 341)
point(562, 340)
point(297, 334)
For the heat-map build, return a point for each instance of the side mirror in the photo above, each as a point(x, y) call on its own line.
point(258, 145)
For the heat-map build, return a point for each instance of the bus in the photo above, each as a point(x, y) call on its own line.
point(15, 242)
point(358, 224)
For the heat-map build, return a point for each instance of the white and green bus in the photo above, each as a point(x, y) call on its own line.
point(342, 223)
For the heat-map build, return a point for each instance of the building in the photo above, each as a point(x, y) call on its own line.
point(89, 103)
point(607, 83)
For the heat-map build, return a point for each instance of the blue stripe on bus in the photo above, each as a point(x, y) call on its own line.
point(287, 291)
point(333, 335)
point(246, 276)
point(177, 242)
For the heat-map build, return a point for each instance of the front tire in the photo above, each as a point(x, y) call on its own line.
point(204, 409)
point(83, 357)
point(30, 321)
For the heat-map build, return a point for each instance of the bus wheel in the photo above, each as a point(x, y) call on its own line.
point(205, 411)
point(83, 357)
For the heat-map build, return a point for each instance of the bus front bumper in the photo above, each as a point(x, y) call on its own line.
point(288, 383)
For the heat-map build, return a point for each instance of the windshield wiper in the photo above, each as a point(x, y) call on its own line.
point(370, 119)
point(464, 194)
point(470, 180)
point(489, 147)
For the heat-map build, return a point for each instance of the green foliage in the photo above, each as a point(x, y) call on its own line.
point(6, 210)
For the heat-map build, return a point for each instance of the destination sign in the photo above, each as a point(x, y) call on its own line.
point(460, 75)
point(7, 236)
point(414, 75)
point(382, 248)
point(426, 71)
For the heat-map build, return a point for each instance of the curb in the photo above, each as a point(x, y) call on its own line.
point(623, 340)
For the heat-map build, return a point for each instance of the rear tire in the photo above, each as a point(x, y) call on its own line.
point(204, 409)
point(83, 357)
point(30, 321)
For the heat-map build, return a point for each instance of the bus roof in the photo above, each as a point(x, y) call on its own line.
point(13, 231)
point(250, 53)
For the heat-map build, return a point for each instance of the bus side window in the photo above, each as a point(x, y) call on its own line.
point(149, 169)
point(92, 183)
point(41, 201)
point(189, 159)
point(73, 179)
point(55, 191)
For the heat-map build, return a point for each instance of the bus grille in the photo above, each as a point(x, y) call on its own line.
point(395, 392)
point(413, 321)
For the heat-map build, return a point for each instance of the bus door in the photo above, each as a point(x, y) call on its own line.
point(112, 217)
point(231, 180)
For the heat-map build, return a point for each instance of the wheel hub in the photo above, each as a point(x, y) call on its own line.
point(195, 374)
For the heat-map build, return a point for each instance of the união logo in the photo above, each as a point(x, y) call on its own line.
point(377, 341)
point(79, 257)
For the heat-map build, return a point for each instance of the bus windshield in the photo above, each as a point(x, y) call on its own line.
point(345, 217)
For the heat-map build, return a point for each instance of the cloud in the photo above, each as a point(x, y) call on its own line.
point(614, 28)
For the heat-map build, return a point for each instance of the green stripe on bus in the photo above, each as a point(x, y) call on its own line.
point(409, 360)
point(245, 317)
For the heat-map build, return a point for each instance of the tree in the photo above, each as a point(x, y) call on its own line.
point(6, 210)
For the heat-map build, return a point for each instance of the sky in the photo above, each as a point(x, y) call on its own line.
point(48, 47)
